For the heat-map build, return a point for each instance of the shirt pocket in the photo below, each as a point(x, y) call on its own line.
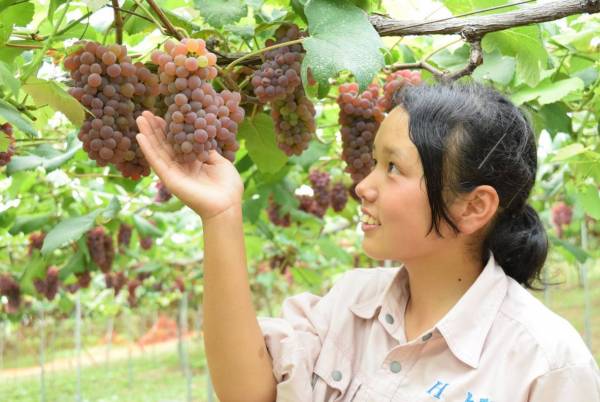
point(333, 379)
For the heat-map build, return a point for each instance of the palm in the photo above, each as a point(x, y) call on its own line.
point(207, 187)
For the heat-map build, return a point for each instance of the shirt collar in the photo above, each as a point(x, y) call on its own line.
point(466, 325)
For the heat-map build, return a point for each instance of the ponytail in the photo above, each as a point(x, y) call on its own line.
point(519, 244)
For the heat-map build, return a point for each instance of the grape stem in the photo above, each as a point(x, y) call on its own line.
point(164, 19)
point(118, 22)
point(266, 49)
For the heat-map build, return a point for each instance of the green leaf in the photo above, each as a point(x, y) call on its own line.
point(555, 118)
point(69, 230)
point(34, 268)
point(259, 134)
point(52, 94)
point(568, 152)
point(220, 12)
point(54, 4)
point(75, 264)
point(145, 228)
point(523, 43)
point(332, 251)
point(112, 210)
point(341, 38)
point(465, 6)
point(548, 91)
point(7, 77)
point(590, 200)
point(579, 254)
point(13, 116)
point(28, 162)
point(19, 14)
point(496, 67)
point(29, 223)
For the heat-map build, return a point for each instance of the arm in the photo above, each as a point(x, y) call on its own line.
point(238, 361)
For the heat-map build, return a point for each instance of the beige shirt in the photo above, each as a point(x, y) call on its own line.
point(497, 344)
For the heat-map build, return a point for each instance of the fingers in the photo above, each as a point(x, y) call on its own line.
point(159, 163)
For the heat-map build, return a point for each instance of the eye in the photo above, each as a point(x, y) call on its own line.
point(390, 164)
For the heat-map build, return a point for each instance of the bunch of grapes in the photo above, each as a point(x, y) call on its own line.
point(320, 185)
point(36, 241)
point(279, 75)
point(115, 281)
point(100, 246)
point(278, 82)
point(48, 286)
point(5, 156)
point(105, 81)
point(10, 288)
point(132, 285)
point(309, 205)
point(359, 117)
point(561, 216)
point(338, 196)
point(394, 83)
point(83, 279)
point(274, 213)
point(199, 119)
point(146, 242)
point(162, 194)
point(179, 284)
point(124, 236)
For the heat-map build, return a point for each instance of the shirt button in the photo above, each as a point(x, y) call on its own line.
point(336, 375)
point(426, 337)
point(389, 318)
point(395, 367)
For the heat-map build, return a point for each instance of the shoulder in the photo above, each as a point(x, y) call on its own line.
point(541, 331)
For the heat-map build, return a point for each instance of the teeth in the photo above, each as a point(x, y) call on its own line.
point(369, 220)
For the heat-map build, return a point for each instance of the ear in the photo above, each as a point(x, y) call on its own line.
point(473, 211)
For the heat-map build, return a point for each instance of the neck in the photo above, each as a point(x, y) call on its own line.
point(436, 284)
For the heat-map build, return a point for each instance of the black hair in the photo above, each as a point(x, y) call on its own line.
point(467, 135)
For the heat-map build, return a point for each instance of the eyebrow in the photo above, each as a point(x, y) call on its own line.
point(388, 150)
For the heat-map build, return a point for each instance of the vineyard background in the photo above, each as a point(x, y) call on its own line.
point(88, 344)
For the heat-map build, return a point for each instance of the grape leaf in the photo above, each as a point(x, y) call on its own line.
point(465, 6)
point(145, 228)
point(8, 78)
point(341, 38)
point(523, 43)
point(548, 91)
point(496, 67)
point(13, 116)
point(259, 134)
point(17, 13)
point(69, 230)
point(28, 162)
point(220, 12)
point(589, 199)
point(30, 223)
point(50, 93)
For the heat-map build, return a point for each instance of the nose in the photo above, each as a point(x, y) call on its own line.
point(365, 190)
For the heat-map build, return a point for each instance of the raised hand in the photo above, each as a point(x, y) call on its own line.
point(209, 188)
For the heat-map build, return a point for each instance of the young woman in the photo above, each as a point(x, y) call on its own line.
point(448, 198)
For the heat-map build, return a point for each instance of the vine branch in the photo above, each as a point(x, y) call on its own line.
point(163, 18)
point(118, 22)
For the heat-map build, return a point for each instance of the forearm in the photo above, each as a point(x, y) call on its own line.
point(238, 361)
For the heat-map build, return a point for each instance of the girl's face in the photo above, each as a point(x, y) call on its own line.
point(394, 193)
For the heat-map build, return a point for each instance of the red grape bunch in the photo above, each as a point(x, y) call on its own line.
point(162, 193)
point(116, 92)
point(101, 248)
point(48, 286)
point(36, 241)
point(124, 236)
point(561, 216)
point(395, 82)
point(360, 118)
point(198, 118)
point(10, 288)
point(338, 196)
point(320, 184)
point(115, 281)
point(279, 75)
point(275, 215)
point(5, 156)
point(278, 82)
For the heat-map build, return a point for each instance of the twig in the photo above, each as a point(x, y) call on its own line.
point(163, 18)
point(131, 12)
point(118, 22)
point(266, 49)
